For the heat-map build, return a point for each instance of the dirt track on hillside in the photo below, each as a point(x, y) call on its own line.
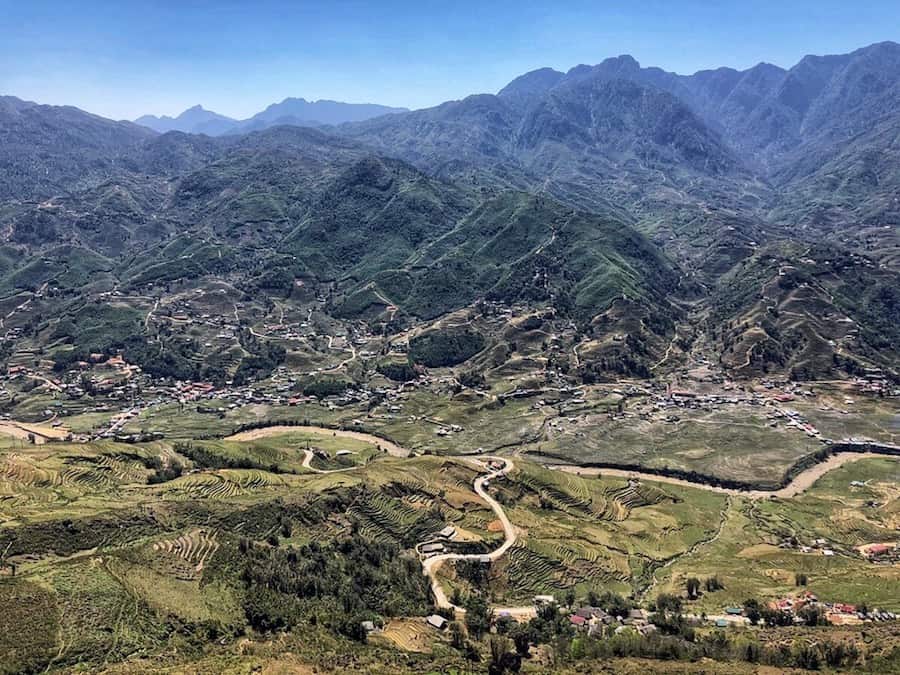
point(802, 482)
point(264, 432)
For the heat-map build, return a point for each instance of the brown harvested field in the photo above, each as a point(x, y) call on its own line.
point(411, 635)
point(41, 433)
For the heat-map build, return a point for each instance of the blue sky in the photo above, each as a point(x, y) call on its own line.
point(128, 57)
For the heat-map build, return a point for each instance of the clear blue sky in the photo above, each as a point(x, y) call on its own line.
point(128, 57)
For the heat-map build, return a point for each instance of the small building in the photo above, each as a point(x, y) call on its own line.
point(436, 621)
point(637, 615)
point(434, 547)
point(544, 600)
point(368, 626)
point(578, 621)
point(448, 532)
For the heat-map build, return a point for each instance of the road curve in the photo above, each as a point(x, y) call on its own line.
point(279, 429)
point(431, 565)
point(307, 464)
point(801, 482)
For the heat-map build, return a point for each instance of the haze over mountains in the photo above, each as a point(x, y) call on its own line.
point(759, 207)
point(295, 111)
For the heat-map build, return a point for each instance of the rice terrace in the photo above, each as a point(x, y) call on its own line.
point(547, 361)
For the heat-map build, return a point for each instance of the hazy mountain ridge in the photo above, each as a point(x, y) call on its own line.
point(517, 196)
point(46, 150)
point(290, 111)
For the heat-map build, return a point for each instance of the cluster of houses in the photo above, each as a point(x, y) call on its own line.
point(596, 622)
point(875, 381)
point(794, 420)
point(818, 546)
point(881, 553)
point(838, 613)
point(436, 543)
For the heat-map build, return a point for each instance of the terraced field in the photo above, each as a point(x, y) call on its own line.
point(749, 561)
point(221, 484)
point(184, 556)
point(148, 551)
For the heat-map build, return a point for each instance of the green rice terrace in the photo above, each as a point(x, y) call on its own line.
point(115, 551)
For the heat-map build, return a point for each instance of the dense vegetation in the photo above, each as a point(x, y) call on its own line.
point(339, 584)
point(445, 347)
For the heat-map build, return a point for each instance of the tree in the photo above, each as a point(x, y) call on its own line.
point(457, 639)
point(714, 584)
point(521, 635)
point(813, 615)
point(502, 659)
point(478, 617)
point(807, 656)
point(692, 584)
point(668, 603)
point(570, 598)
point(752, 610)
point(800, 579)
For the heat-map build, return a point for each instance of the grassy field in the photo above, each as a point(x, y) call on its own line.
point(108, 563)
point(747, 559)
point(734, 443)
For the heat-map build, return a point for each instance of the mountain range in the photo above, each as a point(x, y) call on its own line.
point(294, 111)
point(754, 212)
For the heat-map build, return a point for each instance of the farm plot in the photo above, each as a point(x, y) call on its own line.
point(221, 484)
point(734, 443)
point(595, 534)
point(748, 560)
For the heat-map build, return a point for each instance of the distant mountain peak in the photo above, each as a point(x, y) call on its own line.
point(622, 61)
point(533, 83)
point(296, 111)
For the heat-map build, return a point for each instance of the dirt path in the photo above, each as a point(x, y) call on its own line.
point(344, 362)
point(39, 293)
point(431, 565)
point(264, 432)
point(47, 381)
point(723, 519)
point(798, 485)
point(392, 308)
point(150, 314)
point(307, 464)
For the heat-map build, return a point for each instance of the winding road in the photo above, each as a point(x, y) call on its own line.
point(307, 464)
point(431, 565)
point(800, 484)
point(277, 430)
